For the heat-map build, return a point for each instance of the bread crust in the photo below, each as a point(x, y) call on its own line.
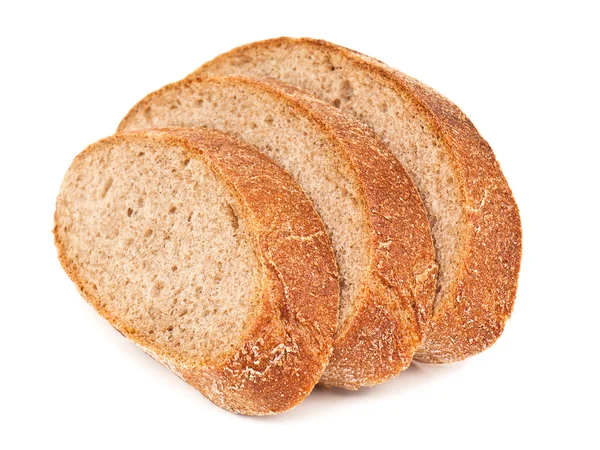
point(473, 314)
point(288, 345)
point(391, 319)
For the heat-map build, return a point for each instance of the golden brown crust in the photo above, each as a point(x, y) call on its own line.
point(390, 322)
point(473, 314)
point(287, 348)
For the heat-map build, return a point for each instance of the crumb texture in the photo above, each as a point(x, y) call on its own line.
point(162, 239)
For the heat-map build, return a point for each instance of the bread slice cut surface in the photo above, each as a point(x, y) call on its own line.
point(474, 219)
point(208, 256)
point(372, 212)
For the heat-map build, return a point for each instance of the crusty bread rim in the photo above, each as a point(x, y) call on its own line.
point(266, 375)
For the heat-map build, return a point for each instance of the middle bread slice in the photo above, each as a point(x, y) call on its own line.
point(374, 216)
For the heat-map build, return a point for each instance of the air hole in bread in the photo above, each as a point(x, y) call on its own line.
point(234, 218)
point(106, 187)
point(346, 90)
point(157, 288)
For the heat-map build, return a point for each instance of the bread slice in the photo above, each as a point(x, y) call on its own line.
point(474, 219)
point(209, 257)
point(372, 212)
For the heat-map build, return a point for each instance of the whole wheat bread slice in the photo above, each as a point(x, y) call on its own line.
point(474, 219)
point(209, 257)
point(372, 212)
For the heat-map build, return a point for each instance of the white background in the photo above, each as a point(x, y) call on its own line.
point(527, 75)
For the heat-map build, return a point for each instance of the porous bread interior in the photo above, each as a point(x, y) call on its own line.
point(163, 245)
point(362, 94)
point(293, 141)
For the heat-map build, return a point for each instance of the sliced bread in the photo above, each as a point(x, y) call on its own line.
point(209, 257)
point(474, 219)
point(371, 210)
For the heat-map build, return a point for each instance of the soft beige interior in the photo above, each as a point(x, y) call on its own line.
point(365, 95)
point(292, 140)
point(159, 239)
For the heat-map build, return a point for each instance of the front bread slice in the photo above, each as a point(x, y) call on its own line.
point(209, 257)
point(474, 219)
point(371, 210)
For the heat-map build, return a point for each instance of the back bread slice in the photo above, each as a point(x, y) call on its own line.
point(372, 212)
point(474, 219)
point(209, 257)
